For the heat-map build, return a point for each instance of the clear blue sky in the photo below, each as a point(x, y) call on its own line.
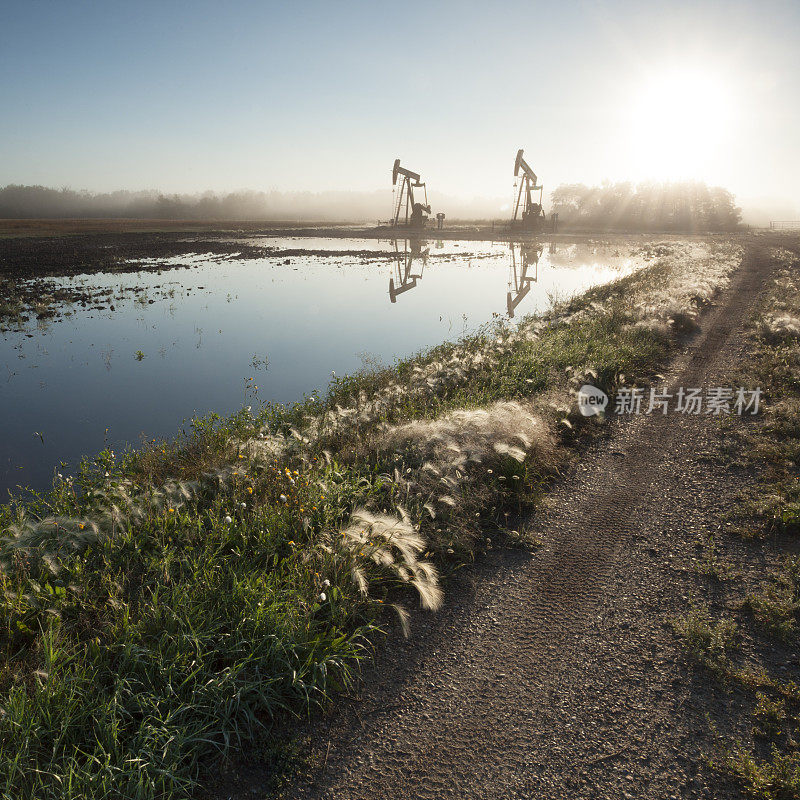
point(187, 96)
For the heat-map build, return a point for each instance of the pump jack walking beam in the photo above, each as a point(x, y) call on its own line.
point(525, 209)
point(413, 211)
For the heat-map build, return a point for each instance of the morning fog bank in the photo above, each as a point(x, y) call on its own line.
point(680, 206)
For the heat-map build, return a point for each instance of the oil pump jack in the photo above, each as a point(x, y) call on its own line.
point(415, 213)
point(528, 214)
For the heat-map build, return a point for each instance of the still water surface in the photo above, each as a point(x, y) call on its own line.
point(110, 378)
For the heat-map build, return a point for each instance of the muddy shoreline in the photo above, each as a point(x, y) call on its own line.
point(32, 266)
point(33, 248)
point(32, 252)
point(35, 228)
point(45, 254)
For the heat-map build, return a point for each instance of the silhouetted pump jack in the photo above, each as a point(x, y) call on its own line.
point(528, 214)
point(407, 205)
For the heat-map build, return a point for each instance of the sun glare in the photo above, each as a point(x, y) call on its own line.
point(680, 125)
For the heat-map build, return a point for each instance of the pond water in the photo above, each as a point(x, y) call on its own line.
point(184, 340)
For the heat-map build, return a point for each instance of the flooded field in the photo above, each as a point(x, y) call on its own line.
point(200, 333)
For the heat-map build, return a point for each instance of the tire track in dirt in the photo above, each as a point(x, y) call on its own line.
point(527, 685)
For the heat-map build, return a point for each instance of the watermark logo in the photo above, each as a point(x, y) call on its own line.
point(591, 400)
point(715, 401)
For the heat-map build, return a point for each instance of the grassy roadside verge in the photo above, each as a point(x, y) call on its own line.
point(169, 605)
point(744, 632)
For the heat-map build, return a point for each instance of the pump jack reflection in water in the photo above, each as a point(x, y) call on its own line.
point(404, 263)
point(523, 270)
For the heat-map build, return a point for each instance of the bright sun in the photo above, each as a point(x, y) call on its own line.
point(681, 125)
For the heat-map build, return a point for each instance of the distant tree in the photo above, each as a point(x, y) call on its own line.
point(685, 206)
point(37, 202)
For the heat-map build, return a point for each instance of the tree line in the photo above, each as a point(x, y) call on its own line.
point(684, 206)
point(41, 202)
point(687, 206)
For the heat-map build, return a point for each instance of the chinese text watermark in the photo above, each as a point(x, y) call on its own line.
point(714, 400)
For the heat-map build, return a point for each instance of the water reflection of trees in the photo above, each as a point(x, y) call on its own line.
point(522, 272)
point(409, 264)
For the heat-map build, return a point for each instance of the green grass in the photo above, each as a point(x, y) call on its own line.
point(774, 605)
point(708, 643)
point(765, 763)
point(171, 642)
point(147, 633)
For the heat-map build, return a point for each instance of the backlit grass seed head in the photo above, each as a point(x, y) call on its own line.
point(776, 328)
point(698, 272)
point(460, 438)
point(392, 546)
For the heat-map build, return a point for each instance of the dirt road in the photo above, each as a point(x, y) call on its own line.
point(556, 674)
